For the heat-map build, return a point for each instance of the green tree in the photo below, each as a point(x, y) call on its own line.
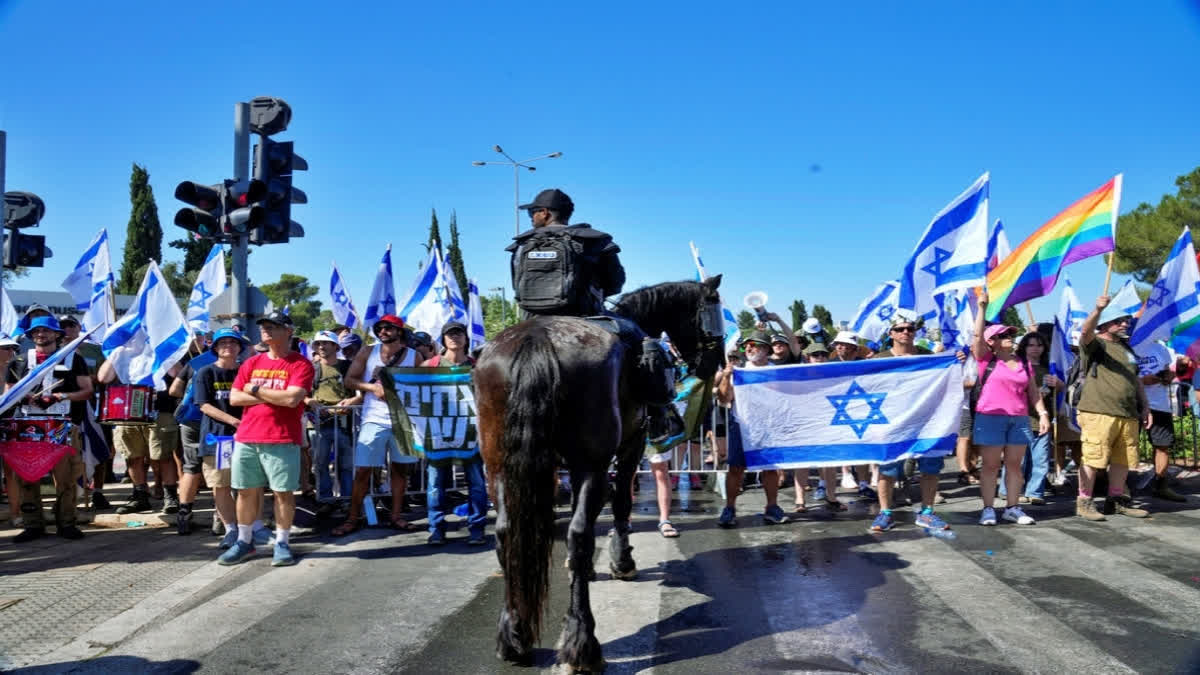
point(143, 235)
point(195, 251)
point(798, 313)
point(454, 256)
point(821, 314)
point(295, 293)
point(498, 314)
point(435, 236)
point(1012, 317)
point(1146, 234)
point(746, 320)
point(324, 321)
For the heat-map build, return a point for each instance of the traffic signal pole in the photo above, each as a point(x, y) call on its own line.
point(241, 171)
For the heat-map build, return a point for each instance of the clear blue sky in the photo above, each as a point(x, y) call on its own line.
point(697, 121)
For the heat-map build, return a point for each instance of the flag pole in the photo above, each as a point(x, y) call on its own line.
point(1029, 311)
point(1118, 180)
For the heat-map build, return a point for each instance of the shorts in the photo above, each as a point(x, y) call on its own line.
point(1162, 429)
point(376, 443)
point(273, 465)
point(735, 454)
point(189, 448)
point(1108, 440)
point(928, 466)
point(659, 458)
point(1001, 430)
point(156, 441)
point(214, 477)
point(965, 422)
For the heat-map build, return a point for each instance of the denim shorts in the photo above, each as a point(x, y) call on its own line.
point(377, 445)
point(928, 466)
point(1001, 430)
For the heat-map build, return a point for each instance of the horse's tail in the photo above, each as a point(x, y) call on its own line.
point(529, 483)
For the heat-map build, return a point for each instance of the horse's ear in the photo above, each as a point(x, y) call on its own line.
point(713, 282)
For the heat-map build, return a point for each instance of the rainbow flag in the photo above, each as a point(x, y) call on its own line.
point(1083, 230)
point(1185, 338)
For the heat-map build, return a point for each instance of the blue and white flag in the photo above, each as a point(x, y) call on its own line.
point(383, 293)
point(957, 319)
point(1127, 300)
point(951, 254)
point(1173, 298)
point(1067, 323)
point(475, 331)
point(732, 332)
point(433, 298)
point(8, 315)
point(35, 379)
point(210, 283)
point(874, 315)
point(853, 412)
point(90, 285)
point(998, 248)
point(151, 337)
point(341, 305)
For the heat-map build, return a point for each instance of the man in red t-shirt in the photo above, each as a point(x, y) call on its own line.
point(271, 386)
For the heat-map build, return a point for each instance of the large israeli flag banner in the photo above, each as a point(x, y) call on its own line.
point(1174, 297)
point(854, 412)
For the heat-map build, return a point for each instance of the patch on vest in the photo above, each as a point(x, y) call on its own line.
point(542, 255)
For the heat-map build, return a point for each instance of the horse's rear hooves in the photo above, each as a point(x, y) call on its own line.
point(627, 575)
point(567, 669)
point(510, 655)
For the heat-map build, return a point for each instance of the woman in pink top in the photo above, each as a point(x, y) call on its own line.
point(1007, 388)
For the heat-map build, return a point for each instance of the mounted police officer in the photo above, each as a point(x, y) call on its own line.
point(568, 270)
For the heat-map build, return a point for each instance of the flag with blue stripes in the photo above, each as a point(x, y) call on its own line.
point(151, 337)
point(875, 312)
point(341, 305)
point(433, 299)
point(210, 283)
point(957, 318)
point(830, 414)
point(475, 331)
point(433, 413)
point(383, 293)
point(998, 248)
point(1173, 298)
point(90, 285)
point(951, 254)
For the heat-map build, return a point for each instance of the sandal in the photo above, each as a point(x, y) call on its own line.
point(800, 508)
point(834, 505)
point(667, 530)
point(348, 527)
point(402, 525)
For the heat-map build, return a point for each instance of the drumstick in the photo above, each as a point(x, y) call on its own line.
point(48, 387)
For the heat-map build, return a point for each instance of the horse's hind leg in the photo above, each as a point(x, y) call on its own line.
point(619, 551)
point(514, 643)
point(577, 646)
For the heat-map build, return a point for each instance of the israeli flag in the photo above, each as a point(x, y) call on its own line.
point(1127, 299)
point(1067, 322)
point(90, 285)
point(8, 315)
point(342, 306)
point(957, 319)
point(998, 248)
point(151, 337)
point(874, 315)
point(1173, 298)
point(952, 254)
point(210, 283)
point(475, 330)
point(852, 412)
point(383, 293)
point(732, 332)
point(431, 300)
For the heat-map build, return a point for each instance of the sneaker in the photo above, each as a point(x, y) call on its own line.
point(262, 537)
point(988, 516)
point(1058, 479)
point(170, 504)
point(728, 517)
point(931, 521)
point(230, 538)
point(1037, 501)
point(237, 553)
point(774, 515)
point(848, 482)
point(100, 502)
point(436, 538)
point(1124, 506)
point(1014, 514)
point(820, 493)
point(29, 534)
point(283, 556)
point(939, 498)
point(1086, 508)
point(883, 522)
point(866, 492)
point(70, 532)
point(1023, 499)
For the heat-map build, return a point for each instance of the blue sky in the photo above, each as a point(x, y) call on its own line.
point(803, 146)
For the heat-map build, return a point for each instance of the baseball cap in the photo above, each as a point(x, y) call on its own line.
point(997, 330)
point(553, 199)
point(780, 337)
point(278, 318)
point(451, 325)
point(325, 336)
point(423, 338)
point(846, 337)
point(67, 318)
point(757, 336)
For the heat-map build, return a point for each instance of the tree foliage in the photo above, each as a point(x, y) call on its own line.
point(498, 314)
point(799, 313)
point(295, 293)
point(435, 235)
point(454, 256)
point(1146, 234)
point(143, 235)
point(1012, 317)
point(195, 251)
point(746, 321)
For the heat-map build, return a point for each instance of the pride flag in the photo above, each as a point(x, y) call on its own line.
point(1083, 230)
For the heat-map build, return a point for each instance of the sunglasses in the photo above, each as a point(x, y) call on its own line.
point(533, 211)
point(905, 329)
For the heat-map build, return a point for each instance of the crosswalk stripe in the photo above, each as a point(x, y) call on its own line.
point(1172, 537)
point(1023, 630)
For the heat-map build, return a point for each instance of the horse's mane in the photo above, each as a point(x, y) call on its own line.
point(645, 305)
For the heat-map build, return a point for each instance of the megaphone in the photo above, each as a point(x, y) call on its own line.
point(757, 301)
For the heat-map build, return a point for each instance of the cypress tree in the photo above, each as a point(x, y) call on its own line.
point(454, 256)
point(143, 235)
point(435, 236)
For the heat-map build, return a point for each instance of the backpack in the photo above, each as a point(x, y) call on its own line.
point(1076, 377)
point(548, 274)
point(187, 412)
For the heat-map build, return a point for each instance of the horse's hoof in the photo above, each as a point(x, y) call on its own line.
point(568, 669)
point(627, 575)
point(510, 655)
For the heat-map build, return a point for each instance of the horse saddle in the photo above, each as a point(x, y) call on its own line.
point(626, 330)
point(655, 372)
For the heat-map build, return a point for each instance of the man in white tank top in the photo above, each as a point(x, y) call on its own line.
point(376, 444)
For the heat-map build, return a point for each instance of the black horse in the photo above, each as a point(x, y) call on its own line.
point(559, 391)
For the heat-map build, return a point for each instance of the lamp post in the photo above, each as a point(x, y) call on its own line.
point(516, 167)
point(503, 303)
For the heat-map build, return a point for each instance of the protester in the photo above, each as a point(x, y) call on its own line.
point(8, 354)
point(818, 352)
point(781, 351)
point(270, 388)
point(332, 435)
point(758, 352)
point(454, 338)
point(1032, 349)
point(189, 429)
point(1111, 406)
point(422, 342)
point(902, 333)
point(350, 344)
point(845, 348)
point(93, 356)
point(68, 398)
point(1156, 370)
point(1002, 432)
point(964, 449)
point(1067, 435)
point(376, 446)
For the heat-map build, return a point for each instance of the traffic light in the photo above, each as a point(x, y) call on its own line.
point(21, 210)
point(222, 211)
point(204, 218)
point(243, 209)
point(274, 163)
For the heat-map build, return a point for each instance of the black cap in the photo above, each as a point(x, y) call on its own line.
point(276, 317)
point(553, 199)
point(451, 325)
point(67, 318)
point(423, 338)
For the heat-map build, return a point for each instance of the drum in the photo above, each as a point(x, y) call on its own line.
point(32, 446)
point(47, 429)
point(128, 404)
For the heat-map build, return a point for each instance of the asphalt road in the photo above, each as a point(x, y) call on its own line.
point(817, 595)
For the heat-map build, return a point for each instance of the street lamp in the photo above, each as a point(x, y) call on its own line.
point(517, 166)
point(503, 303)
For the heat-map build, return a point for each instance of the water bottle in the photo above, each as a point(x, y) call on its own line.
point(943, 533)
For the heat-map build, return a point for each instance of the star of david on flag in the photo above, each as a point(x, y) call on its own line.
point(829, 414)
point(1173, 301)
point(874, 313)
point(210, 282)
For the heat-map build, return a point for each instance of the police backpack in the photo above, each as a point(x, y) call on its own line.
point(547, 274)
